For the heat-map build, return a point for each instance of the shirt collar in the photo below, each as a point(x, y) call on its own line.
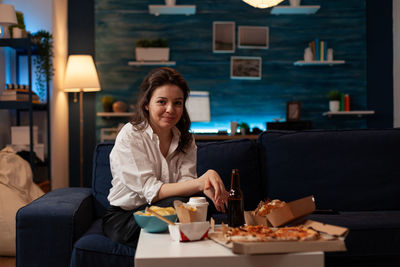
point(176, 134)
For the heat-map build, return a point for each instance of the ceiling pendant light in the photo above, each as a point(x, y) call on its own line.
point(263, 3)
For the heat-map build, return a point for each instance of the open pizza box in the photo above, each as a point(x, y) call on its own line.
point(292, 211)
point(332, 238)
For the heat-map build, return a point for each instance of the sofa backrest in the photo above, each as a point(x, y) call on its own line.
point(101, 180)
point(239, 154)
point(345, 170)
point(223, 156)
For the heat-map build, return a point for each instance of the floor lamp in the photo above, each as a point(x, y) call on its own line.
point(81, 76)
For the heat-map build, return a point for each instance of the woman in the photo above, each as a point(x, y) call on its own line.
point(153, 161)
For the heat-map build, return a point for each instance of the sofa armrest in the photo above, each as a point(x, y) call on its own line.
point(48, 227)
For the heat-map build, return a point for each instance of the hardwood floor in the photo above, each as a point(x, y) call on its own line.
point(7, 261)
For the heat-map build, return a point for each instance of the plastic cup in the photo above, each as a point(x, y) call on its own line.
point(201, 204)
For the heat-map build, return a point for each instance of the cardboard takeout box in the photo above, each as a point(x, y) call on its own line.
point(293, 210)
point(332, 239)
point(184, 212)
point(184, 232)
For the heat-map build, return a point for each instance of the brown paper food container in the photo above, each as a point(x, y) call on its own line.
point(277, 217)
point(184, 215)
point(332, 240)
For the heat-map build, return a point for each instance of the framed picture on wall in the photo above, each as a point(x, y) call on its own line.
point(246, 68)
point(223, 36)
point(293, 109)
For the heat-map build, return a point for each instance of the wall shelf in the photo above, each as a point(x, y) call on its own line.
point(172, 10)
point(151, 63)
point(319, 63)
point(357, 113)
point(294, 10)
point(114, 114)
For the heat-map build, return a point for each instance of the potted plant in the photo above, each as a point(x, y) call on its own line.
point(18, 30)
point(334, 100)
point(107, 102)
point(244, 128)
point(152, 50)
point(44, 61)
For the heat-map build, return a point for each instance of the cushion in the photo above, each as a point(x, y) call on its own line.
point(342, 169)
point(239, 154)
point(374, 236)
point(95, 249)
point(101, 182)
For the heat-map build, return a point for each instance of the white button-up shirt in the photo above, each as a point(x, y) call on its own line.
point(139, 169)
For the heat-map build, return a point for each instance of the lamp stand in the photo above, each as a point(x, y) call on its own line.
point(81, 134)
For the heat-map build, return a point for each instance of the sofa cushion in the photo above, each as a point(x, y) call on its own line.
point(101, 181)
point(95, 249)
point(348, 170)
point(239, 154)
point(372, 233)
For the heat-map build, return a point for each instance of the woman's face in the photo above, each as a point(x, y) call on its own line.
point(165, 107)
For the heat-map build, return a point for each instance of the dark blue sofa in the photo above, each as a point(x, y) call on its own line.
point(353, 174)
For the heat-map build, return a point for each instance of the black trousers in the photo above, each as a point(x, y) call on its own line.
point(120, 226)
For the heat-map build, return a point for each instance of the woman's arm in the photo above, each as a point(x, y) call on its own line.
point(209, 183)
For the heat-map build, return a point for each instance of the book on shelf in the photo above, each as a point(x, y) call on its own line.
point(18, 95)
point(312, 46)
point(35, 98)
point(319, 49)
point(341, 102)
point(15, 91)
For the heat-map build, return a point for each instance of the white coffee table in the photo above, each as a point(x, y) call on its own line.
point(159, 250)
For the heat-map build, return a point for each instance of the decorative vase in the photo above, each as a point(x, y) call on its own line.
point(334, 105)
point(308, 55)
point(119, 106)
point(294, 2)
point(170, 2)
point(152, 53)
point(330, 54)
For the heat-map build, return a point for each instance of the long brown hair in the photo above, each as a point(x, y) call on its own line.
point(156, 78)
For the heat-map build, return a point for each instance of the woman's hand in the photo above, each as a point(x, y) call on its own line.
point(213, 187)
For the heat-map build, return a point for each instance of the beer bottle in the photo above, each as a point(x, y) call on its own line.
point(235, 201)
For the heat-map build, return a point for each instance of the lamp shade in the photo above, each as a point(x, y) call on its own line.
point(81, 74)
point(263, 3)
point(7, 14)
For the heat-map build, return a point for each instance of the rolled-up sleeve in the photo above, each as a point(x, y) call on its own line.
point(130, 164)
point(188, 163)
